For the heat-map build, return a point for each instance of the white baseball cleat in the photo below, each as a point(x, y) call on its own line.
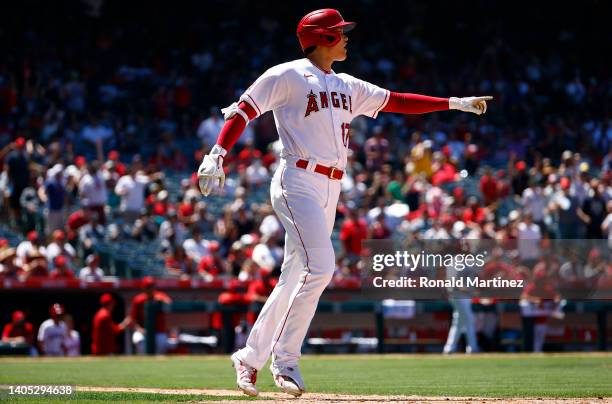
point(246, 376)
point(288, 379)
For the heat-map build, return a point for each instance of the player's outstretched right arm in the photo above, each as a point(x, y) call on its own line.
point(210, 173)
point(408, 103)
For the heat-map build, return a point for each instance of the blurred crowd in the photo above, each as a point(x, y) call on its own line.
point(100, 133)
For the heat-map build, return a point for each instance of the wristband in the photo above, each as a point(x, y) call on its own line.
point(454, 103)
point(218, 151)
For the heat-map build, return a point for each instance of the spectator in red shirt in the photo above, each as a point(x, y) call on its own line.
point(75, 221)
point(186, 211)
point(474, 213)
point(496, 267)
point(459, 199)
point(248, 154)
point(259, 289)
point(379, 230)
point(113, 156)
point(136, 318)
point(61, 270)
point(503, 186)
point(258, 292)
point(444, 171)
point(105, 330)
point(213, 264)
point(269, 158)
point(18, 331)
point(178, 263)
point(352, 232)
point(489, 187)
point(159, 203)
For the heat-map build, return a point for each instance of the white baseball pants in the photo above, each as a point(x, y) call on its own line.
point(539, 336)
point(305, 202)
point(463, 322)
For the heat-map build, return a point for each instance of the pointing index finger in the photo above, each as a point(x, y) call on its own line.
point(484, 98)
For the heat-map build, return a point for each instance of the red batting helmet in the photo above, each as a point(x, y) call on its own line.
point(56, 310)
point(319, 28)
point(106, 299)
point(18, 316)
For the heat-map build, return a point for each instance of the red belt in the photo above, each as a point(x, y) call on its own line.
point(330, 172)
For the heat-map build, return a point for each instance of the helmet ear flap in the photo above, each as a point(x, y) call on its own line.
point(321, 27)
point(328, 38)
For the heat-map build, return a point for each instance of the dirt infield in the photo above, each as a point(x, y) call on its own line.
point(311, 398)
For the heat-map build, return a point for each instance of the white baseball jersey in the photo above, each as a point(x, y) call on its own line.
point(313, 109)
point(72, 343)
point(52, 335)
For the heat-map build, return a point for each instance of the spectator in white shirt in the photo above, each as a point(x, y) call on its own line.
point(94, 132)
point(529, 237)
point(29, 247)
point(54, 195)
point(59, 246)
point(256, 174)
point(267, 254)
point(92, 189)
point(91, 272)
point(210, 127)
point(565, 206)
point(196, 247)
point(270, 226)
point(436, 231)
point(131, 189)
point(535, 202)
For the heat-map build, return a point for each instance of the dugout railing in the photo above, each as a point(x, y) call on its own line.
point(374, 312)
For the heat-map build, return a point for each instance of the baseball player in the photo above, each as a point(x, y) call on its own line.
point(460, 298)
point(52, 332)
point(313, 107)
point(135, 318)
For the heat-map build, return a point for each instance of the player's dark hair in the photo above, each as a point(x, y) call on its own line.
point(309, 50)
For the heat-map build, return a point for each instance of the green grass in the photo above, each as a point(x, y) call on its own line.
point(574, 375)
